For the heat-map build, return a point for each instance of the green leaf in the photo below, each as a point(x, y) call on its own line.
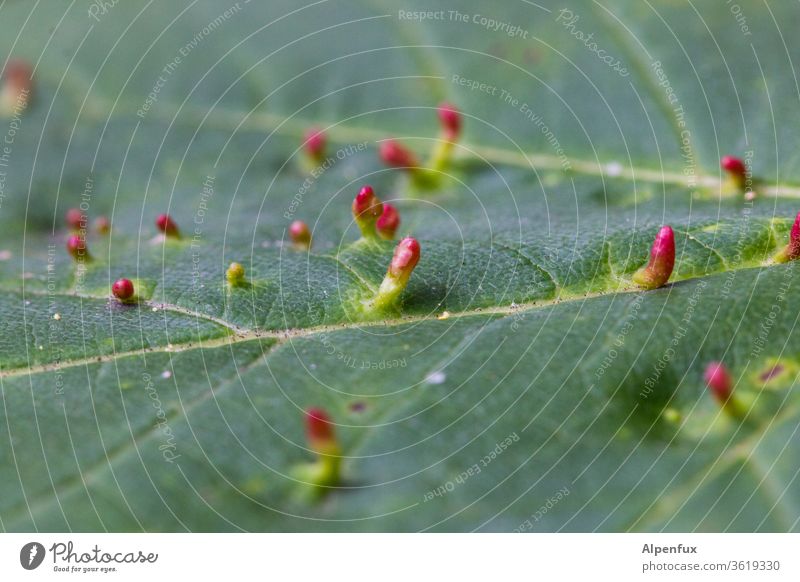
point(523, 382)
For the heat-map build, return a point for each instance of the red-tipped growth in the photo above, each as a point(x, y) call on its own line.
point(76, 246)
point(450, 118)
point(662, 261)
point(406, 256)
point(396, 155)
point(123, 289)
point(75, 219)
point(792, 250)
point(319, 428)
point(719, 381)
point(102, 225)
point(734, 166)
point(17, 87)
point(389, 222)
point(315, 142)
point(165, 224)
point(367, 209)
point(300, 234)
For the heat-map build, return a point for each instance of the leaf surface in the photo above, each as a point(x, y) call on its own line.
point(524, 383)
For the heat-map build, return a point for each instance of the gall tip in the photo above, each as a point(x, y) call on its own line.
point(300, 234)
point(719, 381)
point(75, 219)
point(392, 153)
point(367, 209)
point(319, 427)
point(450, 118)
point(733, 165)
point(792, 250)
point(165, 224)
point(315, 141)
point(102, 225)
point(123, 289)
point(406, 256)
point(389, 222)
point(662, 261)
point(76, 246)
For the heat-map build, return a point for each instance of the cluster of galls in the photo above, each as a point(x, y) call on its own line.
point(77, 223)
point(396, 155)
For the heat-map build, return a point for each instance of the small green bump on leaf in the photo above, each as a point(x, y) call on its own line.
point(235, 274)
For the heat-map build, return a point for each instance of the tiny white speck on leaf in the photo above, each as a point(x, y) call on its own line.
point(57, 316)
point(614, 169)
point(436, 378)
point(5, 255)
point(166, 374)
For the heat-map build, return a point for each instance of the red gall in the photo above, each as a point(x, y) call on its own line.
point(315, 141)
point(792, 250)
point(719, 381)
point(326, 472)
point(319, 430)
point(396, 155)
point(75, 219)
point(123, 289)
point(17, 87)
point(388, 222)
point(406, 256)
point(76, 247)
point(367, 209)
point(102, 225)
point(662, 261)
point(734, 166)
point(300, 234)
point(165, 224)
point(450, 119)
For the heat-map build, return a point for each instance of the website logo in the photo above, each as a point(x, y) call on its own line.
point(31, 555)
